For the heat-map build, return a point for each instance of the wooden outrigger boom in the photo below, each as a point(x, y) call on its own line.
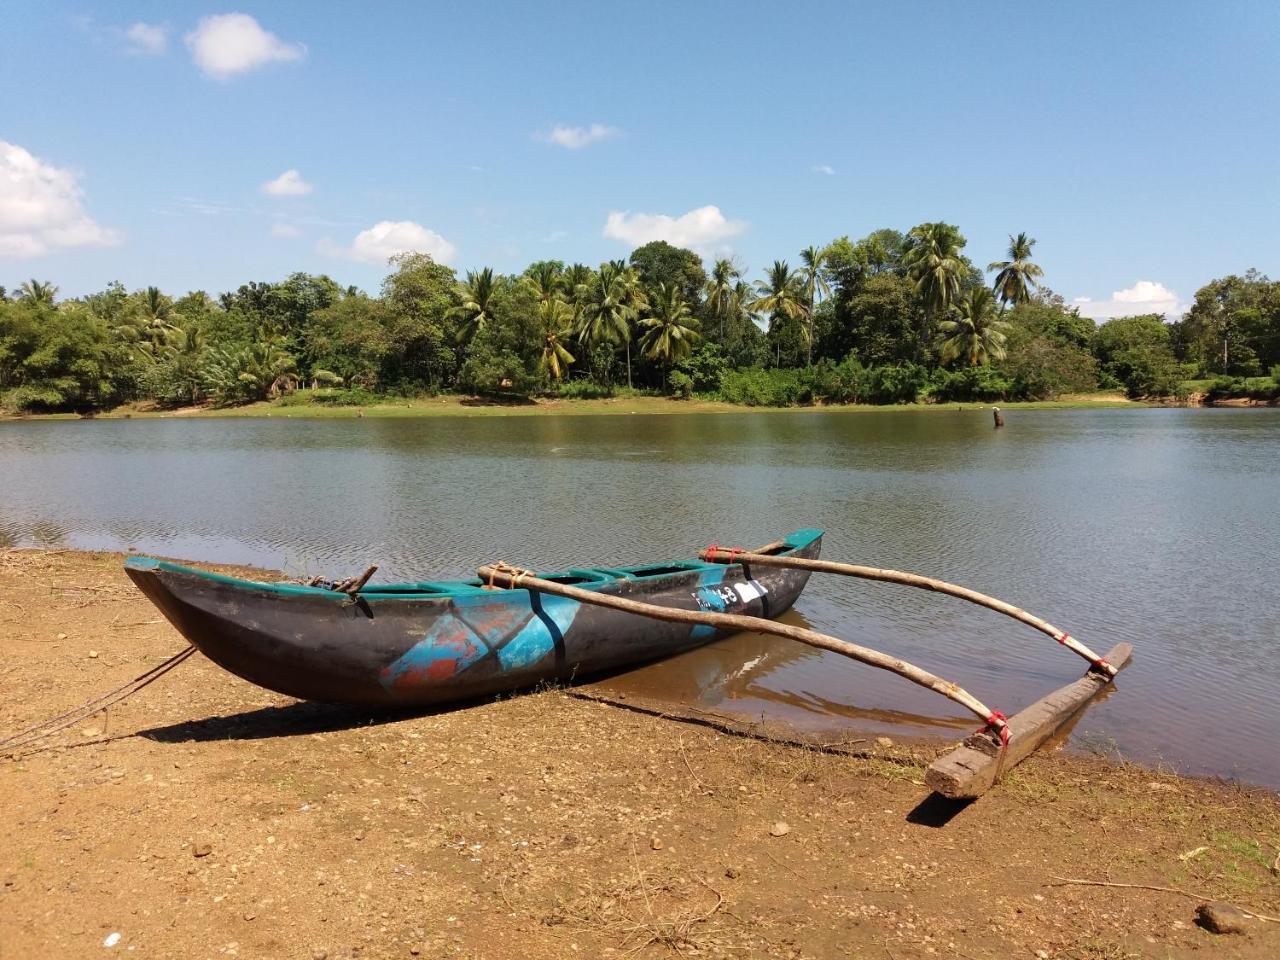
point(968, 770)
point(516, 578)
point(716, 554)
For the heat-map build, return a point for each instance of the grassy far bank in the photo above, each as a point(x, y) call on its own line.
point(461, 406)
point(245, 824)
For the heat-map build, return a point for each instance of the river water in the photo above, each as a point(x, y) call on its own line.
point(1157, 527)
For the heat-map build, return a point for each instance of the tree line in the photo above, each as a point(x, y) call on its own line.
point(892, 317)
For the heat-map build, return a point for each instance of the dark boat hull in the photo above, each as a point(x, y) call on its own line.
point(423, 644)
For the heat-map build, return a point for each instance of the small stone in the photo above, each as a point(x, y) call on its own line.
point(733, 873)
point(780, 829)
point(251, 916)
point(360, 835)
point(202, 849)
point(884, 743)
point(90, 732)
point(319, 955)
point(656, 844)
point(1042, 955)
point(1222, 918)
point(111, 941)
point(62, 636)
point(415, 950)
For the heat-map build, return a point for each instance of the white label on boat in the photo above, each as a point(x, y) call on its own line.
point(749, 590)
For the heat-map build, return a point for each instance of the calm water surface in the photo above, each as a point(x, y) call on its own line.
point(1159, 527)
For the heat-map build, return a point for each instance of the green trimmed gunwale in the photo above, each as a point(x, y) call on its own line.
point(592, 578)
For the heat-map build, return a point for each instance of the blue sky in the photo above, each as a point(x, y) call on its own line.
point(1137, 142)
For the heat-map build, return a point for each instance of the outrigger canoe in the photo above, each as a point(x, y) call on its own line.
point(410, 644)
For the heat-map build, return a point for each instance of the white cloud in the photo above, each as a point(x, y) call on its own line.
point(230, 43)
point(147, 38)
point(389, 237)
point(701, 229)
point(575, 138)
point(288, 184)
point(285, 230)
point(825, 169)
point(1145, 296)
point(40, 208)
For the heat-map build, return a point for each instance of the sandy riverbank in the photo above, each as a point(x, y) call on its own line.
point(459, 406)
point(208, 818)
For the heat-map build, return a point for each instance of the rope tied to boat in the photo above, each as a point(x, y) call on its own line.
point(516, 575)
point(998, 724)
point(731, 551)
point(1101, 663)
point(46, 728)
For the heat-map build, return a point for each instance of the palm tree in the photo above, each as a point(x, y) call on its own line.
point(255, 372)
point(634, 296)
point(156, 317)
point(814, 284)
point(547, 279)
point(557, 325)
point(719, 290)
point(476, 309)
point(577, 281)
point(1018, 276)
point(607, 313)
point(779, 296)
point(742, 305)
point(670, 330)
point(33, 291)
point(935, 268)
point(975, 333)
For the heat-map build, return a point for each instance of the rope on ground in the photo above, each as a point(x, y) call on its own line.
point(45, 728)
point(1249, 911)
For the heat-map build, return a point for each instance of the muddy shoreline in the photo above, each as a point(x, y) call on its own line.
point(208, 818)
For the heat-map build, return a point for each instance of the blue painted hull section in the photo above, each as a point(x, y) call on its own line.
point(428, 643)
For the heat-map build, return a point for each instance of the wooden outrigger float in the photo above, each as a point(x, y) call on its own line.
point(965, 772)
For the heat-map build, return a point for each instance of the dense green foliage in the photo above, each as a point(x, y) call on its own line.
point(891, 318)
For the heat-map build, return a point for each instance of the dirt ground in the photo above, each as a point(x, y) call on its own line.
point(208, 818)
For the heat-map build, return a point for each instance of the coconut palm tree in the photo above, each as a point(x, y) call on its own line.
point(33, 291)
point(976, 333)
point(742, 305)
point(476, 309)
point(670, 330)
point(577, 282)
point(635, 297)
point(780, 296)
point(607, 312)
point(814, 285)
point(719, 290)
point(156, 317)
point(1018, 276)
point(546, 277)
point(739, 314)
point(557, 325)
point(935, 268)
